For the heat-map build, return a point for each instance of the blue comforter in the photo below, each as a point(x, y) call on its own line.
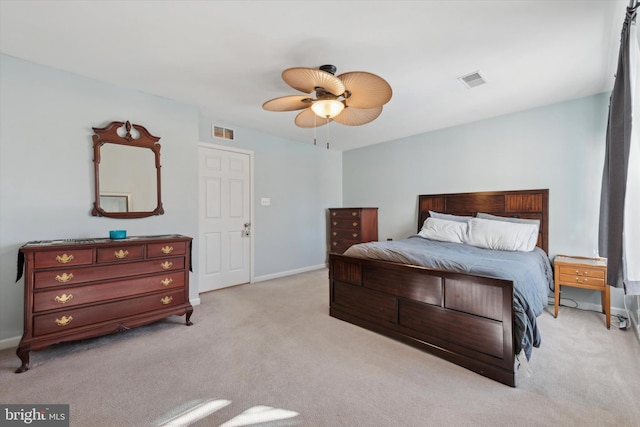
point(530, 272)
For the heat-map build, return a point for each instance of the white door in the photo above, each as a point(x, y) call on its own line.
point(225, 218)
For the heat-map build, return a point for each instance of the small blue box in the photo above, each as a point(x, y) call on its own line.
point(117, 234)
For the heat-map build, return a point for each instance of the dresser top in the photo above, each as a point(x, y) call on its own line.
point(101, 241)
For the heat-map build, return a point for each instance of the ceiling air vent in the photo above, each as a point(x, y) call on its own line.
point(220, 132)
point(472, 80)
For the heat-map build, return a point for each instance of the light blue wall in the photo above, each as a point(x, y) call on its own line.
point(46, 176)
point(559, 147)
point(302, 181)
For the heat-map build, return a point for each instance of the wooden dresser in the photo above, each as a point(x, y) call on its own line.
point(76, 289)
point(348, 226)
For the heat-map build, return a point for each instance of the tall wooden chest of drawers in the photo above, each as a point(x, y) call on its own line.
point(77, 289)
point(348, 226)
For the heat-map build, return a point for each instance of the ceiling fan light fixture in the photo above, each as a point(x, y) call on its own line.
point(327, 108)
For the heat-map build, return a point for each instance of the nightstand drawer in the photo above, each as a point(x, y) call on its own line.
point(582, 281)
point(581, 272)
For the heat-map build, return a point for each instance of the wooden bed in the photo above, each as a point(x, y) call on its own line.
point(462, 318)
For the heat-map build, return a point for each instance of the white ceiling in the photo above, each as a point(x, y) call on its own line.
point(226, 57)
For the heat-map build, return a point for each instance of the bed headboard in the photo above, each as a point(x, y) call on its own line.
point(529, 204)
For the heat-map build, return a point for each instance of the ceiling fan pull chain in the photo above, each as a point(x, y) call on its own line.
point(328, 134)
point(315, 129)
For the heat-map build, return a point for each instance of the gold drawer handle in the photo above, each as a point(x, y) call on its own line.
point(354, 213)
point(64, 258)
point(166, 265)
point(64, 278)
point(121, 254)
point(334, 233)
point(333, 213)
point(584, 273)
point(166, 300)
point(581, 281)
point(167, 281)
point(335, 243)
point(62, 299)
point(167, 249)
point(355, 224)
point(64, 321)
point(335, 223)
point(355, 234)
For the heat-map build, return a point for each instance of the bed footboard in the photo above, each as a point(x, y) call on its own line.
point(465, 319)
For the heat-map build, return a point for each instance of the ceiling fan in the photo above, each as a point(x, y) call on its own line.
point(352, 99)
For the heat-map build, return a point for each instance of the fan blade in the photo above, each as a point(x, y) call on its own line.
point(308, 79)
point(288, 103)
point(309, 119)
point(367, 89)
point(355, 116)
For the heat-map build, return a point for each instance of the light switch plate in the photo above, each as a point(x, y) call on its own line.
point(265, 201)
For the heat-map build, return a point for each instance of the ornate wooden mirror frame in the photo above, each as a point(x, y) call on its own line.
point(110, 135)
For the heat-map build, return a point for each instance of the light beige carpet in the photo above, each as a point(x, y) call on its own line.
point(269, 354)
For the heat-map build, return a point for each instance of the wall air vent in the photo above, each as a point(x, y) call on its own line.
point(472, 80)
point(220, 132)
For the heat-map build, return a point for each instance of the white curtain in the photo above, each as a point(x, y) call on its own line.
point(631, 242)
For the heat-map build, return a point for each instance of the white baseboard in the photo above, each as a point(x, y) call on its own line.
point(581, 305)
point(288, 273)
point(9, 343)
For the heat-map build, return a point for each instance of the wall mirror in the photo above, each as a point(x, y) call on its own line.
point(126, 159)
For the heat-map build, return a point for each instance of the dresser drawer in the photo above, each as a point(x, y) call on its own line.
point(166, 249)
point(340, 246)
point(345, 213)
point(77, 295)
point(75, 318)
point(338, 234)
point(345, 224)
point(75, 276)
point(63, 258)
point(124, 253)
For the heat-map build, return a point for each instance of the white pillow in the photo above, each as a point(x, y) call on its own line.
point(502, 235)
point(536, 222)
point(444, 230)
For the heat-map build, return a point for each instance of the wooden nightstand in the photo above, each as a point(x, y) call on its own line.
point(582, 272)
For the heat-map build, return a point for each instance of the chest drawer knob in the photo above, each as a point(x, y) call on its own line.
point(355, 234)
point(62, 299)
point(64, 258)
point(166, 265)
point(581, 281)
point(167, 281)
point(584, 273)
point(354, 213)
point(167, 249)
point(355, 224)
point(64, 278)
point(121, 254)
point(166, 300)
point(64, 320)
